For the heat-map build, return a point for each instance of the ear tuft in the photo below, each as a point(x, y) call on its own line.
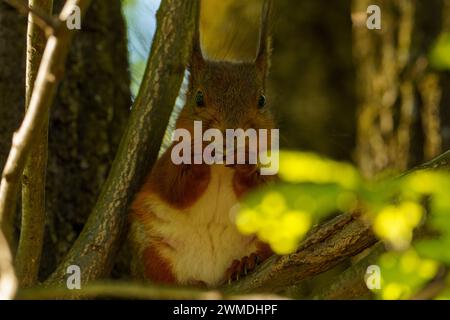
point(197, 59)
point(262, 60)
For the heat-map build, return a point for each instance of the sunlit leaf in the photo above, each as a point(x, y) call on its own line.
point(440, 54)
point(313, 188)
point(395, 223)
point(309, 167)
point(403, 274)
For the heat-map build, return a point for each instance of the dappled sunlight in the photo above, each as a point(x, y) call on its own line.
point(395, 223)
point(309, 167)
point(403, 273)
point(312, 188)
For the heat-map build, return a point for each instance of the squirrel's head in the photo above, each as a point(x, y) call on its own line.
point(229, 95)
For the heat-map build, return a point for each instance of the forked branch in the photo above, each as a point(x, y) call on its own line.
point(48, 77)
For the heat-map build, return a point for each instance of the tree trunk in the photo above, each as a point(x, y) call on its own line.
point(312, 77)
point(12, 75)
point(400, 96)
point(102, 235)
point(12, 84)
point(86, 123)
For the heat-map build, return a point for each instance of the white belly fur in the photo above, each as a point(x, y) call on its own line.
point(204, 238)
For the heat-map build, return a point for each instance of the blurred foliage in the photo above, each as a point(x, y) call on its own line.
point(404, 273)
point(314, 88)
point(440, 53)
point(313, 188)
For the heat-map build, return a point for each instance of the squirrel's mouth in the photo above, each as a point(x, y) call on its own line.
point(235, 153)
point(215, 146)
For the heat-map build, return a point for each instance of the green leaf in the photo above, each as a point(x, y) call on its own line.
point(440, 53)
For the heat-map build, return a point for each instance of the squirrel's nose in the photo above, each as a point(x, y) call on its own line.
point(233, 121)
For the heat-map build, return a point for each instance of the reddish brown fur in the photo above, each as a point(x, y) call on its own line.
point(231, 91)
point(178, 185)
point(156, 268)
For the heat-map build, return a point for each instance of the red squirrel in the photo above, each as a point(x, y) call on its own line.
point(181, 230)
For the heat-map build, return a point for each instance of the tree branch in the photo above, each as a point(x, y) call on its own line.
point(117, 289)
point(97, 244)
point(8, 282)
point(350, 284)
point(48, 77)
point(127, 290)
point(324, 247)
point(440, 162)
point(33, 180)
point(42, 17)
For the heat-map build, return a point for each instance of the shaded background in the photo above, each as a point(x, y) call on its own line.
point(377, 98)
point(312, 76)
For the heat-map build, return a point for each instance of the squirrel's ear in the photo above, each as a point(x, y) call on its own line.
point(197, 60)
point(262, 60)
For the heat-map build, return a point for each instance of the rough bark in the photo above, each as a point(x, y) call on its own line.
point(90, 110)
point(326, 246)
point(97, 244)
point(350, 284)
point(12, 80)
point(89, 115)
point(47, 80)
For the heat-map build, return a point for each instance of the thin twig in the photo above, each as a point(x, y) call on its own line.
point(49, 75)
point(47, 22)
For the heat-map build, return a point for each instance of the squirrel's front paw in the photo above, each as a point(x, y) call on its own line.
point(242, 267)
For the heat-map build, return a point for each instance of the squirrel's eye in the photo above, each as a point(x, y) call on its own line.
point(261, 101)
point(200, 99)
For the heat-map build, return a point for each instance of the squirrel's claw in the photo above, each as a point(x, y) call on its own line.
point(242, 267)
